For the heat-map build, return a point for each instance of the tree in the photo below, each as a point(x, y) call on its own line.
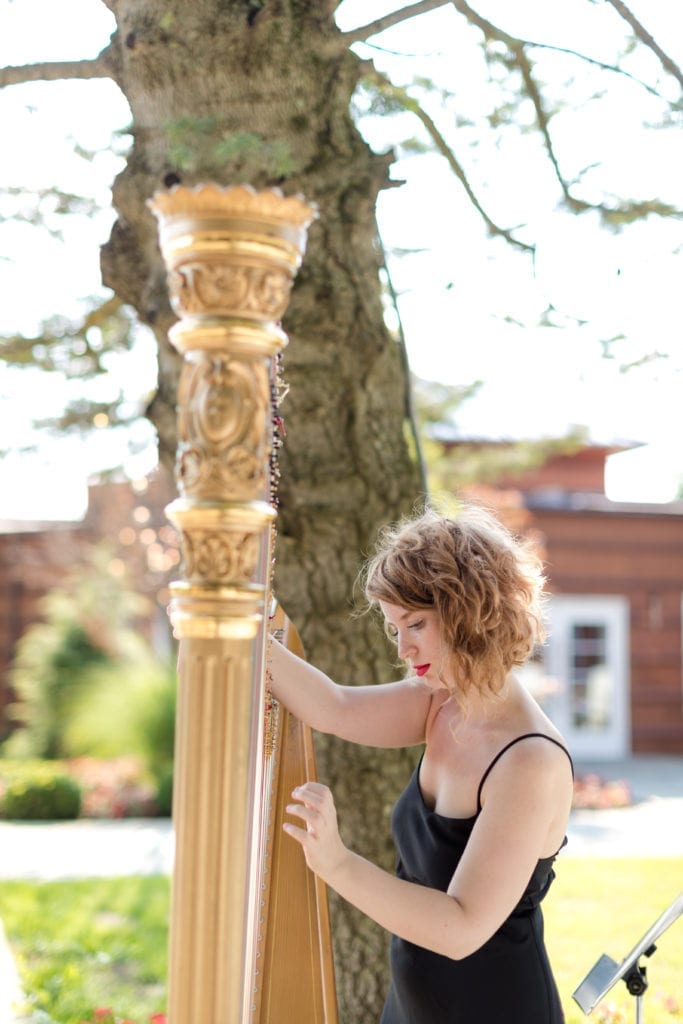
point(261, 91)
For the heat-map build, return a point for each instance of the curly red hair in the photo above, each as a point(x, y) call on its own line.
point(485, 584)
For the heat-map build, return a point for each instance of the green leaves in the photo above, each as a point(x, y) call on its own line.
point(201, 143)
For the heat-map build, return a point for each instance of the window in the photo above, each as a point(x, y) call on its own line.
point(587, 668)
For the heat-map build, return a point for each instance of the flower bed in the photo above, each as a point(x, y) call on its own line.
point(594, 793)
point(105, 1015)
point(113, 789)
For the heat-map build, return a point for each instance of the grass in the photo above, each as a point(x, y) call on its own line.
point(88, 944)
point(605, 906)
point(102, 943)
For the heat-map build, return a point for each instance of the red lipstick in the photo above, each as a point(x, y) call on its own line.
point(421, 669)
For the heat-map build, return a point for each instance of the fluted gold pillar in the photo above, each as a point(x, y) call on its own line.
point(231, 256)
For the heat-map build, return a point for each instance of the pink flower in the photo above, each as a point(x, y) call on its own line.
point(671, 1005)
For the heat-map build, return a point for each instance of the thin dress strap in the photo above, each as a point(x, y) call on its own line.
point(526, 736)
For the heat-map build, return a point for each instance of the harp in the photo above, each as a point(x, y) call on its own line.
point(249, 930)
point(298, 986)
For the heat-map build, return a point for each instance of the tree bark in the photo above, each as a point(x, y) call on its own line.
point(259, 92)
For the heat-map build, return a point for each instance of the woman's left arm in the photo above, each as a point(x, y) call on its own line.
point(506, 843)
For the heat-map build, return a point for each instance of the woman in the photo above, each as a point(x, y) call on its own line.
point(484, 815)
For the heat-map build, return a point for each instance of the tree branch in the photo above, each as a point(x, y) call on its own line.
point(644, 36)
point(543, 124)
point(363, 32)
point(492, 31)
point(620, 212)
point(53, 71)
point(459, 172)
point(412, 105)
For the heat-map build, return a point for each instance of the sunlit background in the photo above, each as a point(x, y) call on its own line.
point(469, 306)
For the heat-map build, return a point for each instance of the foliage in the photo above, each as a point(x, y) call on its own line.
point(164, 792)
point(90, 689)
point(102, 943)
point(80, 349)
point(38, 791)
point(85, 944)
point(52, 660)
point(121, 787)
point(124, 708)
point(198, 142)
point(141, 699)
point(451, 466)
point(87, 630)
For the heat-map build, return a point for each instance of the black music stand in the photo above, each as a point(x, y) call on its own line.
point(606, 973)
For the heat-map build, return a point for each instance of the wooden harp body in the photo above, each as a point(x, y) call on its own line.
point(294, 969)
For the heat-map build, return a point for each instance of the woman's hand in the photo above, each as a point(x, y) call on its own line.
point(320, 840)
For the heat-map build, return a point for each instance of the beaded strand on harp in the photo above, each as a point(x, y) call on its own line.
point(278, 391)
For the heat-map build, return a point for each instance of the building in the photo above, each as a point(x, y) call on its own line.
point(611, 672)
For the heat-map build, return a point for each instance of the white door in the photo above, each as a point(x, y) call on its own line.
point(587, 660)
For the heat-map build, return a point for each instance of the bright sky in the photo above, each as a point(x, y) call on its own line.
point(458, 293)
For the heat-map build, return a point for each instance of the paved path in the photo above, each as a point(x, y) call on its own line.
point(80, 849)
point(56, 850)
point(651, 827)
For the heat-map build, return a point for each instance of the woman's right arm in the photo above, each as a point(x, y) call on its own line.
point(384, 715)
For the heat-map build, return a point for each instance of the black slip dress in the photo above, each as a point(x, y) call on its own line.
point(509, 979)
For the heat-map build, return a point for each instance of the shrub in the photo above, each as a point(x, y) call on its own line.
point(164, 799)
point(89, 626)
point(40, 794)
point(126, 709)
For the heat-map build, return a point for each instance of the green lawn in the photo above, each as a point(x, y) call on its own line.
point(102, 943)
point(89, 944)
point(605, 906)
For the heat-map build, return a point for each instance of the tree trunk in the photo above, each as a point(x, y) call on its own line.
point(244, 91)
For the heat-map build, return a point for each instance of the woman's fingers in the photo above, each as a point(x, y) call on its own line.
point(313, 792)
point(320, 839)
point(299, 834)
point(307, 814)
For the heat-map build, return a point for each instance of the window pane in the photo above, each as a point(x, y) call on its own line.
point(591, 682)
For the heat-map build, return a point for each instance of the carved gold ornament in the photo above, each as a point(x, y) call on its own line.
point(231, 255)
point(223, 406)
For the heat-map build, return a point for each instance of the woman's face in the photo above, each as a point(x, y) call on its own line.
point(419, 641)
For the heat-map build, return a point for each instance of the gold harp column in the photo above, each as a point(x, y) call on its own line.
point(231, 256)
